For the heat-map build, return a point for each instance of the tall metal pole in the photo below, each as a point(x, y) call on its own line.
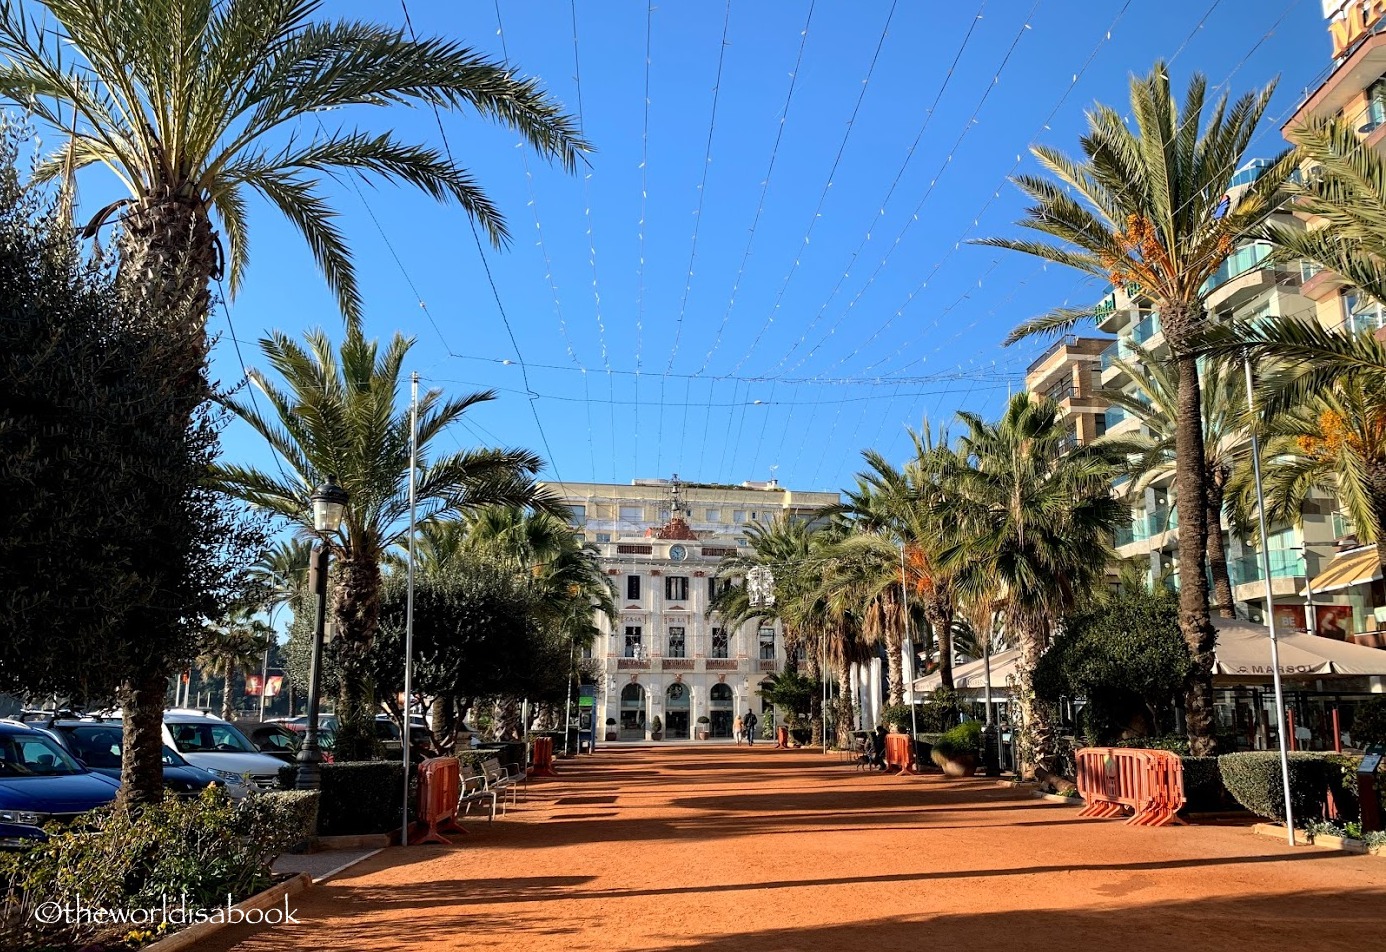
point(409, 599)
point(1270, 609)
point(906, 645)
point(823, 676)
point(309, 755)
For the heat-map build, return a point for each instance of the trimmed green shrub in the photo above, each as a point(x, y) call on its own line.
point(940, 712)
point(1203, 788)
point(1253, 779)
point(962, 740)
point(899, 714)
point(1175, 743)
point(360, 797)
point(204, 849)
point(1369, 722)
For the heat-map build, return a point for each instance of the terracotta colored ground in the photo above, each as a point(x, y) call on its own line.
point(717, 849)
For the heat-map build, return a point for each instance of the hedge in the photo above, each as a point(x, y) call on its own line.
point(1203, 787)
point(1254, 780)
point(360, 797)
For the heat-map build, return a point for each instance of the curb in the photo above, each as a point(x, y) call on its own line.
point(190, 937)
point(365, 841)
point(337, 870)
point(1323, 841)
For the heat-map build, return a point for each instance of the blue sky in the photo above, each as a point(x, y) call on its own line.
point(827, 305)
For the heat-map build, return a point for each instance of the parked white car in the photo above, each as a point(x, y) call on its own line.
point(220, 749)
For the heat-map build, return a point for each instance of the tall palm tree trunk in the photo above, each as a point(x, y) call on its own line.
point(1223, 600)
point(168, 253)
point(815, 674)
point(1376, 479)
point(1191, 480)
point(940, 618)
point(142, 698)
point(357, 614)
point(846, 709)
point(1038, 755)
point(226, 690)
point(895, 665)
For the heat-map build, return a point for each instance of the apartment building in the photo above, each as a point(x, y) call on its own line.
point(661, 541)
point(1348, 595)
point(1069, 373)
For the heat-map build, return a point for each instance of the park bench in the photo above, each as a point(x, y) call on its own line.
point(501, 781)
point(474, 789)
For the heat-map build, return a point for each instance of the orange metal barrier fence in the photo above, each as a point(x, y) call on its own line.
point(899, 752)
point(1149, 783)
point(543, 757)
point(439, 787)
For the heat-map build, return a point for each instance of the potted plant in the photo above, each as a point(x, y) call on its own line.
point(611, 728)
point(704, 729)
point(656, 729)
point(957, 750)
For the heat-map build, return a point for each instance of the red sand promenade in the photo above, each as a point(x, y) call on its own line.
point(723, 848)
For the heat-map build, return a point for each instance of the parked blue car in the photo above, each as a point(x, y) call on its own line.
point(97, 744)
point(40, 782)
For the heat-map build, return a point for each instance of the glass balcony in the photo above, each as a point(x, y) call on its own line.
point(1114, 415)
point(1162, 520)
point(1284, 563)
point(1124, 535)
point(1239, 262)
point(1146, 329)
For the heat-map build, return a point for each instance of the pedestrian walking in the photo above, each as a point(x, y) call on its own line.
point(737, 729)
point(749, 722)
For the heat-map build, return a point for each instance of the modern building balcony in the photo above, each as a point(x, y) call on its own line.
point(1113, 374)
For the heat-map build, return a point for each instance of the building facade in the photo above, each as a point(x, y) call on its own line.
point(660, 542)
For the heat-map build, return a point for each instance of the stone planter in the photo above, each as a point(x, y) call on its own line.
point(704, 733)
point(610, 736)
point(656, 735)
point(962, 765)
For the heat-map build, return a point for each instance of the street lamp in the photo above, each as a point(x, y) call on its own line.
point(329, 503)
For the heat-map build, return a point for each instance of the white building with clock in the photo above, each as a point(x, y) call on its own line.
point(660, 542)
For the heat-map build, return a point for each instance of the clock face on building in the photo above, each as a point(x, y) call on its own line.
point(678, 553)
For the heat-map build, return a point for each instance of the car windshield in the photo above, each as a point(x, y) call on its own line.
point(98, 747)
point(210, 738)
point(34, 755)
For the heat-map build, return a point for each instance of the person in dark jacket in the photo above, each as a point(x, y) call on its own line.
point(749, 722)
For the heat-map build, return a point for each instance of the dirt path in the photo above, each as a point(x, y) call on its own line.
point(714, 849)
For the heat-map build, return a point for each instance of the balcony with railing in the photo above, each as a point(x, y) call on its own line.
point(1284, 563)
point(1145, 329)
point(1242, 261)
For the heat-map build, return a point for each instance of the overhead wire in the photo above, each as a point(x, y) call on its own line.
point(823, 193)
point(544, 251)
point(697, 225)
point(490, 278)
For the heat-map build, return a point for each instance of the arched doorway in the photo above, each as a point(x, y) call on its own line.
point(632, 712)
point(720, 710)
point(676, 708)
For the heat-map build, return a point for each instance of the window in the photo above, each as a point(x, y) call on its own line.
point(714, 515)
point(719, 643)
point(579, 514)
point(738, 515)
point(634, 636)
point(632, 514)
point(716, 586)
point(767, 644)
point(587, 653)
point(1099, 422)
point(676, 588)
point(677, 643)
point(603, 536)
point(633, 587)
point(1376, 105)
point(664, 515)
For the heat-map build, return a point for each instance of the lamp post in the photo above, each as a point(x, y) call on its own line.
point(329, 503)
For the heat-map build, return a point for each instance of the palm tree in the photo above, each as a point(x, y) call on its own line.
point(1333, 440)
point(1154, 402)
point(564, 575)
point(1145, 207)
point(281, 573)
point(340, 415)
point(235, 645)
point(195, 104)
point(902, 504)
point(1031, 528)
